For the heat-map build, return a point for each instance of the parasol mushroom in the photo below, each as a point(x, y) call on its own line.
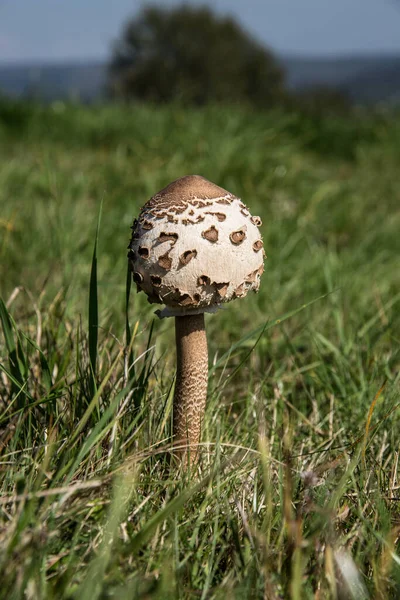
point(194, 247)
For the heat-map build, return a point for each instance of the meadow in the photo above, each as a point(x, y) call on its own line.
point(296, 494)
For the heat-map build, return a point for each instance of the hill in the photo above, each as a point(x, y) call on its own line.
point(82, 80)
point(365, 79)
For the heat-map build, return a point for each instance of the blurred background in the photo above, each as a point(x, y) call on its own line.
point(347, 50)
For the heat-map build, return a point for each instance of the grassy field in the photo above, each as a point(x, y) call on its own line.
point(296, 494)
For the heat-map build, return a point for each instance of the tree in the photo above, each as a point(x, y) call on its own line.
point(190, 55)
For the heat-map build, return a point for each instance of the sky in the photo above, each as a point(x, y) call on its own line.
point(62, 30)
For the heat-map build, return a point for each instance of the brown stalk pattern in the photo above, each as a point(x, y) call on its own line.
point(191, 384)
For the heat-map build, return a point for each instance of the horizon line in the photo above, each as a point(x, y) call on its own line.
point(341, 55)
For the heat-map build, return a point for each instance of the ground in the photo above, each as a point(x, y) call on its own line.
point(296, 492)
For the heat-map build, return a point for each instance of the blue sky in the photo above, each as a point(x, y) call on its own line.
point(37, 30)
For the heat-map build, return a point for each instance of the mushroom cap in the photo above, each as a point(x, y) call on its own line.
point(194, 247)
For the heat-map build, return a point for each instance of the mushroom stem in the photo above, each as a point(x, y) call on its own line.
point(191, 384)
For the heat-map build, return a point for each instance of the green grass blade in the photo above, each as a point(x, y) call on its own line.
point(46, 374)
point(94, 309)
point(7, 328)
point(4, 417)
point(15, 371)
point(127, 296)
point(143, 377)
point(128, 333)
point(18, 386)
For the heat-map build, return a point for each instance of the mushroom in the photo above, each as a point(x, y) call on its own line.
point(194, 265)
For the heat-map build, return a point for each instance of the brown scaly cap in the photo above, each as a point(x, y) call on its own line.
point(194, 247)
point(189, 190)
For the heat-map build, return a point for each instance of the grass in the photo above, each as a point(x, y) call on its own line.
point(297, 491)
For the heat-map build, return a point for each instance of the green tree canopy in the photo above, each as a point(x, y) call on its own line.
point(191, 55)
